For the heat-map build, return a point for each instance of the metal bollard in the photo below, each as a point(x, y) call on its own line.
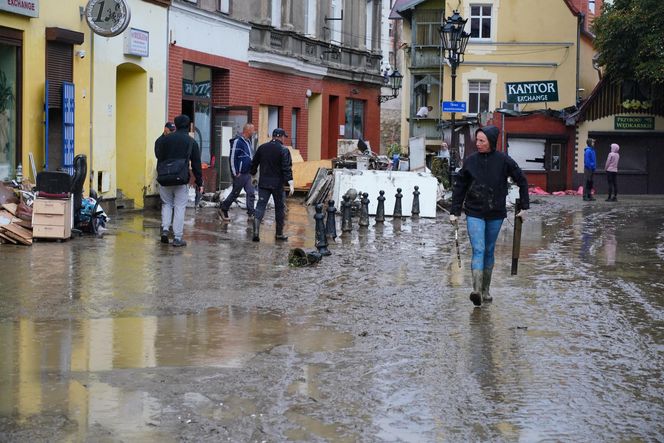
point(364, 213)
point(397, 204)
point(331, 226)
point(416, 202)
point(346, 221)
point(321, 238)
point(380, 211)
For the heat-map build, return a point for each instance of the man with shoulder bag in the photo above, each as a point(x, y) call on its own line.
point(174, 154)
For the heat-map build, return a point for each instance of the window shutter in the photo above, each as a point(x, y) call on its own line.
point(68, 99)
point(59, 69)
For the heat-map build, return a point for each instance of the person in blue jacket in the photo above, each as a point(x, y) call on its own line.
point(480, 190)
point(241, 157)
point(589, 164)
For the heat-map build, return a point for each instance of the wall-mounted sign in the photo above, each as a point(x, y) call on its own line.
point(532, 92)
point(107, 18)
point(22, 7)
point(454, 106)
point(630, 122)
point(137, 42)
point(199, 89)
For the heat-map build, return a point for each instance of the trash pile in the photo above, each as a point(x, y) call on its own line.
point(16, 213)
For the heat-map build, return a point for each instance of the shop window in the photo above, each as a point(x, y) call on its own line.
point(273, 119)
point(9, 97)
point(478, 96)
point(354, 127)
point(197, 104)
point(480, 21)
point(528, 153)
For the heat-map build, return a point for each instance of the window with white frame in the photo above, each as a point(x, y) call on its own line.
point(310, 18)
point(276, 13)
point(591, 6)
point(335, 12)
point(369, 27)
point(478, 96)
point(480, 21)
point(224, 6)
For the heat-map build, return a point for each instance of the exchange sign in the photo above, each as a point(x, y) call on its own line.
point(532, 92)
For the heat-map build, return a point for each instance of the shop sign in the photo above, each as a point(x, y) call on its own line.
point(22, 7)
point(107, 18)
point(630, 122)
point(200, 89)
point(137, 42)
point(532, 92)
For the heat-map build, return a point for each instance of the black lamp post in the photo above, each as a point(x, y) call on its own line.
point(394, 79)
point(454, 40)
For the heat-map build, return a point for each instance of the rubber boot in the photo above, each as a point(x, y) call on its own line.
point(486, 282)
point(476, 295)
point(257, 228)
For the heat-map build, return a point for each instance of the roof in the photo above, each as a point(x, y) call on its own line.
point(403, 6)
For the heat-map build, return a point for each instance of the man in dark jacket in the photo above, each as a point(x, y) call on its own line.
point(274, 161)
point(481, 189)
point(174, 198)
point(241, 169)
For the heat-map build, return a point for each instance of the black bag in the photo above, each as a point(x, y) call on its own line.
point(174, 171)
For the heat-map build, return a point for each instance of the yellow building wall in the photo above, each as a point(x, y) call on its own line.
point(314, 127)
point(108, 54)
point(62, 14)
point(607, 124)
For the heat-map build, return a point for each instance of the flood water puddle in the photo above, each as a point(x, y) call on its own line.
point(43, 360)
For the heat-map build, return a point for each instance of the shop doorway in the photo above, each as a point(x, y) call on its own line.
point(131, 133)
point(228, 122)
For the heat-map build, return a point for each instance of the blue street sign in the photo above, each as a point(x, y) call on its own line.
point(454, 106)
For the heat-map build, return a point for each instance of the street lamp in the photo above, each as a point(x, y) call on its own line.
point(454, 40)
point(394, 80)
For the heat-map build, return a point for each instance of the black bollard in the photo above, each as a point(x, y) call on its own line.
point(321, 238)
point(331, 226)
point(364, 213)
point(397, 204)
point(416, 202)
point(346, 221)
point(380, 211)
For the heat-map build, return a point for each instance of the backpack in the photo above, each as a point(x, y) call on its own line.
point(174, 171)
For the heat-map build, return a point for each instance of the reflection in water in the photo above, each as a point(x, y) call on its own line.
point(43, 361)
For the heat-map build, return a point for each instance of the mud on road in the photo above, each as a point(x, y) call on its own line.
point(125, 339)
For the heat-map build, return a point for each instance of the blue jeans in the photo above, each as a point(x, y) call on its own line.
point(239, 182)
point(483, 235)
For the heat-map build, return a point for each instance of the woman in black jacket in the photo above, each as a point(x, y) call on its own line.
point(481, 189)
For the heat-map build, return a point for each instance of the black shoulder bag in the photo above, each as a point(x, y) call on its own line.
point(174, 171)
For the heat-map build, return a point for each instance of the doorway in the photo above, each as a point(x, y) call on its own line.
point(228, 123)
point(131, 131)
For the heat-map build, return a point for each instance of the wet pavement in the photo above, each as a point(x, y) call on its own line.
point(125, 339)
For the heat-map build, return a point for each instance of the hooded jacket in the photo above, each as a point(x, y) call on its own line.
point(176, 145)
point(481, 186)
point(589, 160)
point(613, 159)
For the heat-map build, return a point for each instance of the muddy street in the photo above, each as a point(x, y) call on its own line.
point(122, 338)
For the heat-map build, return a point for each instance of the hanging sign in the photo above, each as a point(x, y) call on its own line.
point(532, 92)
point(107, 18)
point(22, 7)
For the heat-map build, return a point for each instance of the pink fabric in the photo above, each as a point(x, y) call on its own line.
point(613, 159)
point(536, 190)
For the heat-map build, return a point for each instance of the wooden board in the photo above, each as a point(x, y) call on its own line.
point(296, 157)
point(18, 238)
point(7, 238)
point(19, 231)
point(11, 207)
point(304, 173)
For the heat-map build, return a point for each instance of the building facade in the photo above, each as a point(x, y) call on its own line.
point(44, 86)
point(511, 42)
point(310, 67)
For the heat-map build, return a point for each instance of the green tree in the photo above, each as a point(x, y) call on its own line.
point(630, 40)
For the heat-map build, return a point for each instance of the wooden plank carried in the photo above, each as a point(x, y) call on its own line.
point(11, 207)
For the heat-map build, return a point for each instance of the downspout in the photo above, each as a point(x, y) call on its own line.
point(92, 109)
point(168, 53)
point(580, 19)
